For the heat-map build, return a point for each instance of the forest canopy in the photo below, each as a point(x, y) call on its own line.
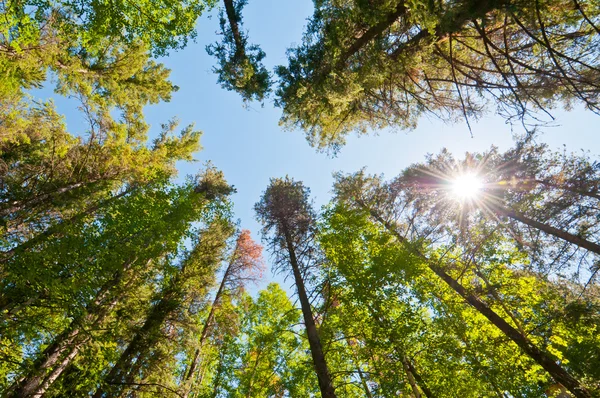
point(372, 64)
point(473, 275)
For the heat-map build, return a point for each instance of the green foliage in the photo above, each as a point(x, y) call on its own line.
point(267, 357)
point(393, 309)
point(111, 251)
point(109, 271)
point(367, 65)
point(240, 64)
point(415, 242)
point(50, 176)
point(160, 25)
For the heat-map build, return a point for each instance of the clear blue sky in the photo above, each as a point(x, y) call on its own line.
point(250, 147)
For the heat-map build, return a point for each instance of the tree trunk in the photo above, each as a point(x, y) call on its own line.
point(542, 358)
point(22, 205)
point(411, 378)
point(144, 339)
point(363, 381)
point(314, 341)
point(31, 384)
point(232, 17)
point(372, 33)
point(550, 230)
point(361, 375)
point(451, 22)
point(57, 356)
point(492, 290)
point(187, 381)
point(196, 360)
point(54, 229)
point(57, 371)
point(420, 382)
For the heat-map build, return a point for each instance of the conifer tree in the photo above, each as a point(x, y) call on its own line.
point(91, 267)
point(245, 265)
point(373, 64)
point(382, 202)
point(288, 227)
point(240, 64)
point(182, 285)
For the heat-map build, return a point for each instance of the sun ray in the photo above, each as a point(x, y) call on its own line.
point(467, 186)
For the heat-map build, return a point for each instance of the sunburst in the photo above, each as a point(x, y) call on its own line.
point(466, 186)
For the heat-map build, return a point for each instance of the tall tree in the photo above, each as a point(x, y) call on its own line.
point(406, 327)
point(117, 252)
point(47, 171)
point(374, 64)
point(544, 201)
point(268, 357)
point(240, 64)
point(245, 265)
point(50, 174)
point(288, 227)
point(183, 283)
point(379, 201)
point(159, 25)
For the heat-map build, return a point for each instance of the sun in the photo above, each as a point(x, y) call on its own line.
point(466, 186)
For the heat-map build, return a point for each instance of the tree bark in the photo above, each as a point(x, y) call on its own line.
point(550, 230)
point(420, 382)
point(316, 350)
point(240, 51)
point(411, 378)
point(361, 375)
point(542, 358)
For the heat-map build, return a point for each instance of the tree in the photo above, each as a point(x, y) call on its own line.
point(49, 173)
point(182, 285)
point(267, 358)
point(161, 26)
point(240, 65)
point(65, 174)
point(288, 227)
point(405, 326)
point(373, 64)
point(114, 252)
point(41, 161)
point(386, 207)
point(544, 201)
point(245, 265)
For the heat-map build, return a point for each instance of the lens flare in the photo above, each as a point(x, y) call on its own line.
point(466, 186)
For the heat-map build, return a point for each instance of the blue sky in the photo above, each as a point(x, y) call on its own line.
point(250, 147)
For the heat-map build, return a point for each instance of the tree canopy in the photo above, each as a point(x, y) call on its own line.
point(462, 276)
point(366, 65)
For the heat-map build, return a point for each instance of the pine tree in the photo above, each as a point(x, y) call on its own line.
point(380, 202)
point(288, 227)
point(372, 64)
